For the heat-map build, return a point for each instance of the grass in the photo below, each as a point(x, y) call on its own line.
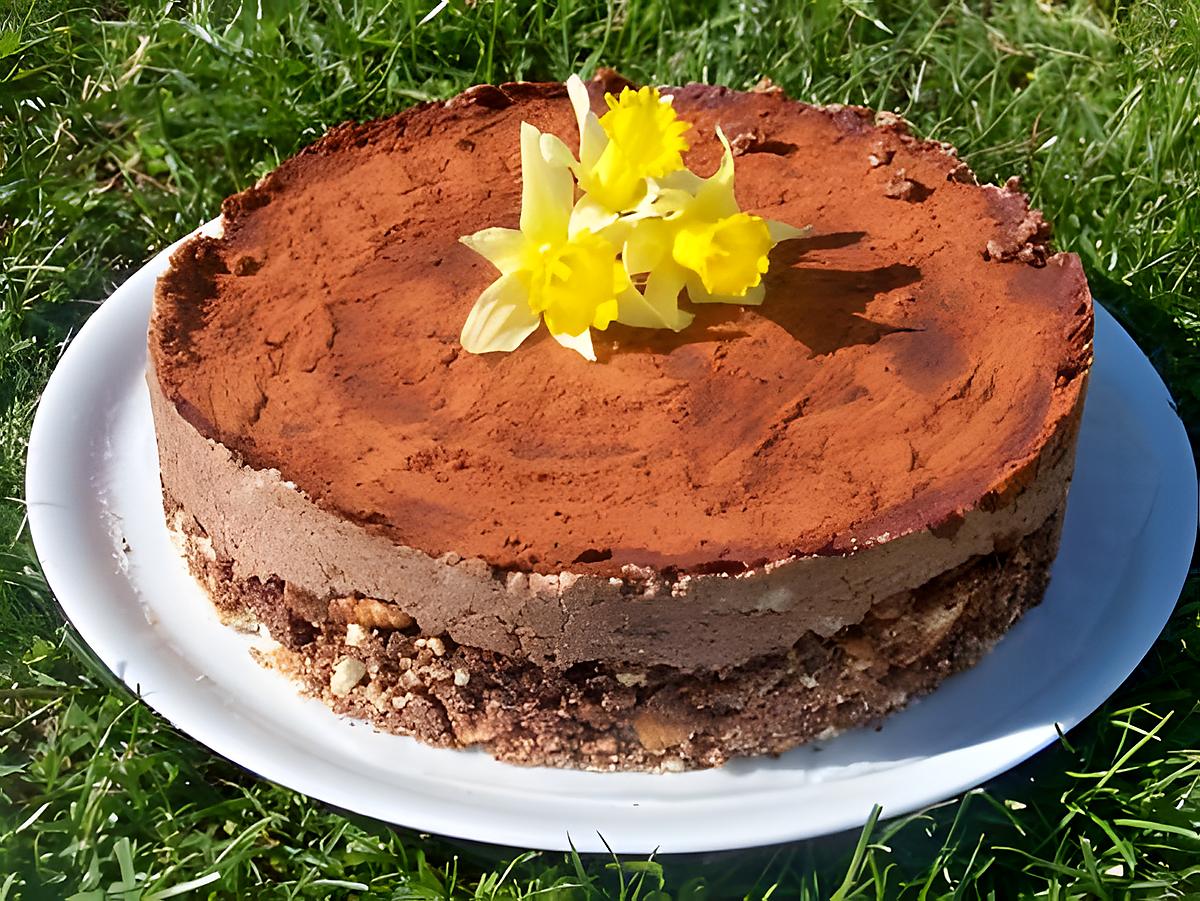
point(124, 125)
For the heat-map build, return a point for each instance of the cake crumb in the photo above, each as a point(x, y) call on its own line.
point(880, 155)
point(888, 119)
point(461, 677)
point(901, 187)
point(371, 613)
point(347, 674)
point(355, 635)
point(657, 733)
point(377, 697)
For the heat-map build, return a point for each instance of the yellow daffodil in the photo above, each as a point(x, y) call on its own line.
point(642, 220)
point(703, 240)
point(639, 138)
point(570, 277)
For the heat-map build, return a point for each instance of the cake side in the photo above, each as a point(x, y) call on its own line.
point(369, 660)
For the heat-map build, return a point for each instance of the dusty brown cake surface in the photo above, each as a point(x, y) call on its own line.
point(902, 407)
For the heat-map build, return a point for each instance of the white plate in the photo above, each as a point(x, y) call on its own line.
point(96, 518)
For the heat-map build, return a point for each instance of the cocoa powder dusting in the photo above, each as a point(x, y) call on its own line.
point(898, 370)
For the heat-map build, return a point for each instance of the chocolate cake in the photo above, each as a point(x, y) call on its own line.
point(781, 522)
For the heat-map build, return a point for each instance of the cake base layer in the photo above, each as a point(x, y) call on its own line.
point(366, 658)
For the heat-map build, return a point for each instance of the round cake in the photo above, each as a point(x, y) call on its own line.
point(783, 521)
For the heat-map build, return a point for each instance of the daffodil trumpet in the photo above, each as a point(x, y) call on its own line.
point(641, 218)
point(700, 239)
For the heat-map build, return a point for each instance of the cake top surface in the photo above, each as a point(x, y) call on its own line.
point(911, 358)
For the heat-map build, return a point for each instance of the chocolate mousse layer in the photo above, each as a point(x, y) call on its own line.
point(900, 412)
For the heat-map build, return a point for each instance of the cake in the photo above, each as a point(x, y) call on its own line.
point(778, 523)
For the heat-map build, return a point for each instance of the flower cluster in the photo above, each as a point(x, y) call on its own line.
point(642, 229)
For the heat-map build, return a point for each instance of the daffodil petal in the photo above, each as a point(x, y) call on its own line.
point(590, 214)
point(725, 171)
point(592, 139)
point(680, 180)
point(502, 247)
point(617, 230)
point(606, 313)
point(664, 203)
point(781, 231)
point(715, 197)
point(632, 309)
point(753, 296)
point(581, 343)
point(555, 152)
point(662, 296)
point(501, 318)
point(547, 191)
point(697, 293)
point(647, 244)
point(658, 201)
point(659, 306)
